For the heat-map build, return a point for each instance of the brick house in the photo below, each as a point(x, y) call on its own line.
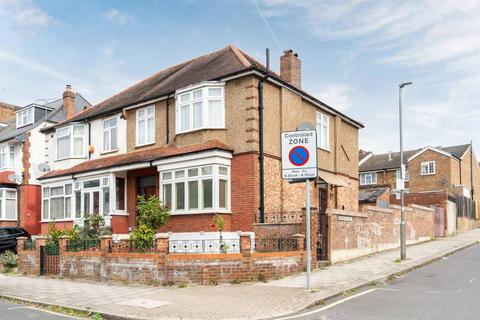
point(20, 201)
point(204, 136)
point(434, 175)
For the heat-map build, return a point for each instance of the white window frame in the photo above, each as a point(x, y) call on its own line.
point(71, 137)
point(64, 196)
point(3, 198)
point(109, 131)
point(323, 122)
point(398, 174)
point(215, 176)
point(29, 117)
point(190, 100)
point(429, 166)
point(145, 118)
point(372, 177)
point(9, 152)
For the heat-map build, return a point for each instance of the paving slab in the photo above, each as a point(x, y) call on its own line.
point(243, 301)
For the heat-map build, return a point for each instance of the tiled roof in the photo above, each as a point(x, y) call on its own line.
point(4, 177)
point(384, 162)
point(136, 157)
point(370, 194)
point(210, 67)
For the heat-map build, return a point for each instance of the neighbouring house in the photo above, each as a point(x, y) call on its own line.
point(22, 148)
point(204, 136)
point(446, 177)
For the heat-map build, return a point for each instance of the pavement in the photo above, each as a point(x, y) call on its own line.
point(444, 290)
point(243, 301)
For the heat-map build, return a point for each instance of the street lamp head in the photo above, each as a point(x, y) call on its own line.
point(403, 84)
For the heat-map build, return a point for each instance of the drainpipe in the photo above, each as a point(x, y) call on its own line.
point(261, 155)
point(167, 122)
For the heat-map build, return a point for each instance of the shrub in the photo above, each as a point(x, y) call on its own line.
point(9, 260)
point(143, 237)
point(151, 212)
point(93, 227)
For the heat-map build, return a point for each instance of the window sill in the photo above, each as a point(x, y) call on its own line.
point(200, 129)
point(9, 220)
point(181, 213)
point(144, 145)
point(427, 174)
point(108, 152)
point(323, 149)
point(59, 220)
point(75, 157)
point(118, 213)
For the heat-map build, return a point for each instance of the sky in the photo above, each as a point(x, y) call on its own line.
point(354, 54)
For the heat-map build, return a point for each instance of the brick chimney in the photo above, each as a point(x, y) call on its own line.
point(291, 68)
point(69, 101)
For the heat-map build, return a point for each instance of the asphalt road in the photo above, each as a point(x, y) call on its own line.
point(14, 311)
point(447, 289)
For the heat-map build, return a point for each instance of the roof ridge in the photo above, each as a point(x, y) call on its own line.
point(240, 55)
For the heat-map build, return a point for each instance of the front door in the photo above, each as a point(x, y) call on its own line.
point(322, 231)
point(147, 186)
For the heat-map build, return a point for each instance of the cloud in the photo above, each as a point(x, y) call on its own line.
point(335, 95)
point(23, 16)
point(118, 17)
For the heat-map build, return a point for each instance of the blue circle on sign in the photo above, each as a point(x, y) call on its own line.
point(298, 156)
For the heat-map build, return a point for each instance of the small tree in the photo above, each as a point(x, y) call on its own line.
point(152, 215)
point(219, 222)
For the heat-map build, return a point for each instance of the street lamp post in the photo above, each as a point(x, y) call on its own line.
point(403, 231)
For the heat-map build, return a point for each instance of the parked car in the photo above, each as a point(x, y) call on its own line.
point(8, 238)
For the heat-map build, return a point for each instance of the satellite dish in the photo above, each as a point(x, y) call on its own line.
point(15, 178)
point(43, 167)
point(305, 126)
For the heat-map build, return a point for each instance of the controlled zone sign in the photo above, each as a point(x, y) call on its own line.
point(299, 155)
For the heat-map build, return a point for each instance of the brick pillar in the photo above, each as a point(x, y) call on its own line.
point(161, 243)
point(21, 244)
point(300, 241)
point(245, 243)
point(62, 244)
point(41, 242)
point(105, 244)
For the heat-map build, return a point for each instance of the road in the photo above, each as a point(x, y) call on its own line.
point(447, 289)
point(14, 311)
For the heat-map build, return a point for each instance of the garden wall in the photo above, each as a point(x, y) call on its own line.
point(355, 234)
point(162, 267)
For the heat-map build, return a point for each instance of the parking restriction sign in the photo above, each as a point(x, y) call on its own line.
point(299, 155)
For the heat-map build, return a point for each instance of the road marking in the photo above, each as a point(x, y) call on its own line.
point(14, 308)
point(329, 306)
point(448, 293)
point(388, 289)
point(471, 281)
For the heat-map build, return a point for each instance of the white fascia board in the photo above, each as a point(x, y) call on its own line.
point(49, 181)
point(113, 169)
point(199, 85)
point(192, 160)
point(370, 154)
point(432, 149)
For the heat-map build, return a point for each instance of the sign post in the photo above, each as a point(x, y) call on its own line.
point(299, 162)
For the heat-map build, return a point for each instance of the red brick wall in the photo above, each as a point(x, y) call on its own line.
point(376, 229)
point(119, 224)
point(30, 207)
point(8, 223)
point(59, 225)
point(195, 223)
point(438, 199)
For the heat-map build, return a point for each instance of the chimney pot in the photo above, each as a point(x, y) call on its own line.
point(291, 68)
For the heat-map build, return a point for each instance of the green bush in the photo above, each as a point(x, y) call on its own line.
point(143, 237)
point(151, 212)
point(93, 227)
point(9, 260)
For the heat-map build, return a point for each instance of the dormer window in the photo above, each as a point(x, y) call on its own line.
point(200, 107)
point(70, 142)
point(24, 117)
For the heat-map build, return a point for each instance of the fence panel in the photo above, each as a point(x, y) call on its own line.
point(276, 244)
point(204, 246)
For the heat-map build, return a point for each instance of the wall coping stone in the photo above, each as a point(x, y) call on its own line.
point(276, 223)
point(106, 237)
point(398, 207)
point(379, 209)
point(63, 237)
point(162, 235)
point(416, 206)
point(298, 235)
point(41, 237)
point(22, 238)
point(338, 212)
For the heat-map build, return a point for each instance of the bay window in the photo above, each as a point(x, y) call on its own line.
point(196, 189)
point(57, 202)
point(201, 107)
point(8, 204)
point(145, 126)
point(7, 156)
point(70, 141)
point(110, 135)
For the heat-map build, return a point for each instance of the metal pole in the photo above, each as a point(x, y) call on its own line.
point(309, 254)
point(403, 249)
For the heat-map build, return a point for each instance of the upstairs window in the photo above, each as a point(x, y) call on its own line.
point(368, 178)
point(110, 135)
point(70, 141)
point(24, 117)
point(427, 168)
point(200, 108)
point(146, 126)
point(323, 132)
point(7, 157)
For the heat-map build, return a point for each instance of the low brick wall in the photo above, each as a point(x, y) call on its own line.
point(355, 234)
point(464, 224)
point(163, 267)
